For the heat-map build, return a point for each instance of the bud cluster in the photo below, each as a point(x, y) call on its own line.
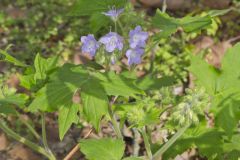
point(192, 105)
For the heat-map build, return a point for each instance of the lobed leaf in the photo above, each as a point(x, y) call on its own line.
point(66, 117)
point(104, 149)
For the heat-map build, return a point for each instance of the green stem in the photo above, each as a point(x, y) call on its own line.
point(44, 136)
point(114, 121)
point(121, 26)
point(23, 140)
point(152, 46)
point(169, 143)
point(116, 127)
point(115, 26)
point(146, 143)
point(31, 129)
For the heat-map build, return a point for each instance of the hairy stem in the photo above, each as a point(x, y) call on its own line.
point(115, 26)
point(146, 143)
point(121, 26)
point(23, 140)
point(169, 143)
point(44, 136)
point(31, 129)
point(114, 120)
point(164, 7)
point(116, 127)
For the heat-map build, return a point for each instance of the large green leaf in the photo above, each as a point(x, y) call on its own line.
point(191, 24)
point(102, 149)
point(52, 96)
point(61, 88)
point(224, 85)
point(95, 102)
point(169, 25)
point(66, 117)
point(206, 74)
point(118, 85)
point(230, 68)
point(227, 112)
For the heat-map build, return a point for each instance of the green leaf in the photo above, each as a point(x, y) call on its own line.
point(227, 116)
point(224, 85)
point(95, 103)
point(230, 71)
point(98, 21)
point(215, 13)
point(169, 25)
point(67, 116)
point(192, 24)
point(234, 144)
point(150, 83)
point(4, 56)
point(42, 66)
point(102, 149)
point(9, 98)
point(206, 74)
point(27, 81)
point(52, 96)
point(60, 90)
point(118, 85)
point(86, 7)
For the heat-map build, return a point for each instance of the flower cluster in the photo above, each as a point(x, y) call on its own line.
point(114, 42)
point(137, 42)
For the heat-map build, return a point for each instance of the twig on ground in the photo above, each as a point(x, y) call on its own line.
point(76, 148)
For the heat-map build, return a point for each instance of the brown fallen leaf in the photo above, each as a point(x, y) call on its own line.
point(3, 142)
point(20, 152)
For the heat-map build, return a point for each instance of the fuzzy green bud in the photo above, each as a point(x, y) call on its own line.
point(192, 105)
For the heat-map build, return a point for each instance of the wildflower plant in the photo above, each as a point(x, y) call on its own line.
point(137, 98)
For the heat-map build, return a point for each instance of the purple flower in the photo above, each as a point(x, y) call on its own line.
point(134, 55)
point(138, 37)
point(112, 41)
point(90, 45)
point(114, 13)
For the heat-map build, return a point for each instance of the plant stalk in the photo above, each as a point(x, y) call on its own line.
point(44, 136)
point(146, 143)
point(165, 147)
point(23, 140)
point(116, 127)
point(31, 129)
point(114, 121)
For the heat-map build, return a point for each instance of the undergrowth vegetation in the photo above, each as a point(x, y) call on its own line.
point(92, 63)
